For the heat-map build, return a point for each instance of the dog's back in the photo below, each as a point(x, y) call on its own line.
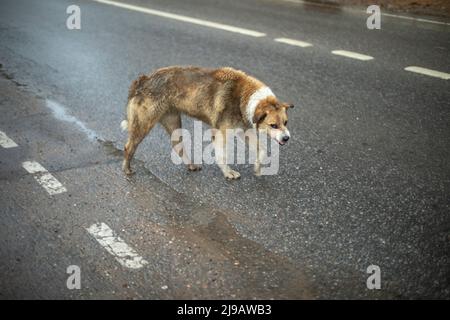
point(170, 82)
point(198, 92)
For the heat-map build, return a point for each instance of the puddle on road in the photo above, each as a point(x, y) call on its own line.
point(263, 273)
point(214, 261)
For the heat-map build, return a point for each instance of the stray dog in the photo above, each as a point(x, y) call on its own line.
point(223, 98)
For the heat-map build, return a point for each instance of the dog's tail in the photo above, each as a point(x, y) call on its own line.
point(124, 125)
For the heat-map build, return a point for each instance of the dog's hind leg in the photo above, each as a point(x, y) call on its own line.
point(135, 137)
point(142, 117)
point(171, 121)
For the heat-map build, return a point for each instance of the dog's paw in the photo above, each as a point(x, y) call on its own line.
point(194, 167)
point(231, 175)
point(257, 170)
point(126, 168)
point(128, 171)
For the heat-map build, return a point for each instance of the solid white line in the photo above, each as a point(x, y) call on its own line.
point(429, 72)
point(353, 55)
point(116, 246)
point(178, 17)
point(6, 142)
point(364, 12)
point(415, 19)
point(293, 42)
point(44, 178)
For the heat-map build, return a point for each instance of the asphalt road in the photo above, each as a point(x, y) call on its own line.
point(364, 180)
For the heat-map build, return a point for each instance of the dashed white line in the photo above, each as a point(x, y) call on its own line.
point(6, 142)
point(44, 178)
point(178, 17)
point(428, 72)
point(351, 54)
point(293, 42)
point(116, 246)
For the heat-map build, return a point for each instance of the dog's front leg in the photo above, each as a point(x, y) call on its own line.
point(181, 151)
point(260, 156)
point(258, 152)
point(220, 148)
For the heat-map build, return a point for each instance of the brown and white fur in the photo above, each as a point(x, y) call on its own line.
point(223, 98)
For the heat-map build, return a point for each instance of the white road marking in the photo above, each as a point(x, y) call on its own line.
point(116, 246)
point(6, 142)
point(429, 72)
point(293, 42)
point(44, 178)
point(61, 113)
point(415, 19)
point(350, 9)
point(353, 55)
point(178, 17)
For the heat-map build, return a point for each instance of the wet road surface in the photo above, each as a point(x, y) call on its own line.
point(364, 179)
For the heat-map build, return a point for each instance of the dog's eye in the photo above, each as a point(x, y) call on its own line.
point(274, 126)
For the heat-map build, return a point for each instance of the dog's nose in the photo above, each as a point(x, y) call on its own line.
point(285, 138)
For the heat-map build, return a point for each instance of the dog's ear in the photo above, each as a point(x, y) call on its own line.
point(288, 105)
point(260, 114)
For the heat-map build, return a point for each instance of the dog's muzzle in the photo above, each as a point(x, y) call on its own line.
point(283, 137)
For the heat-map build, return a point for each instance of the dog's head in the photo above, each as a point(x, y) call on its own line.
point(271, 116)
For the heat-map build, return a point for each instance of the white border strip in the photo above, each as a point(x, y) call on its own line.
point(178, 17)
point(353, 55)
point(6, 142)
point(293, 42)
point(428, 72)
point(116, 246)
point(44, 178)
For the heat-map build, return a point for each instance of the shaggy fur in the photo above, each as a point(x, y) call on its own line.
point(218, 97)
